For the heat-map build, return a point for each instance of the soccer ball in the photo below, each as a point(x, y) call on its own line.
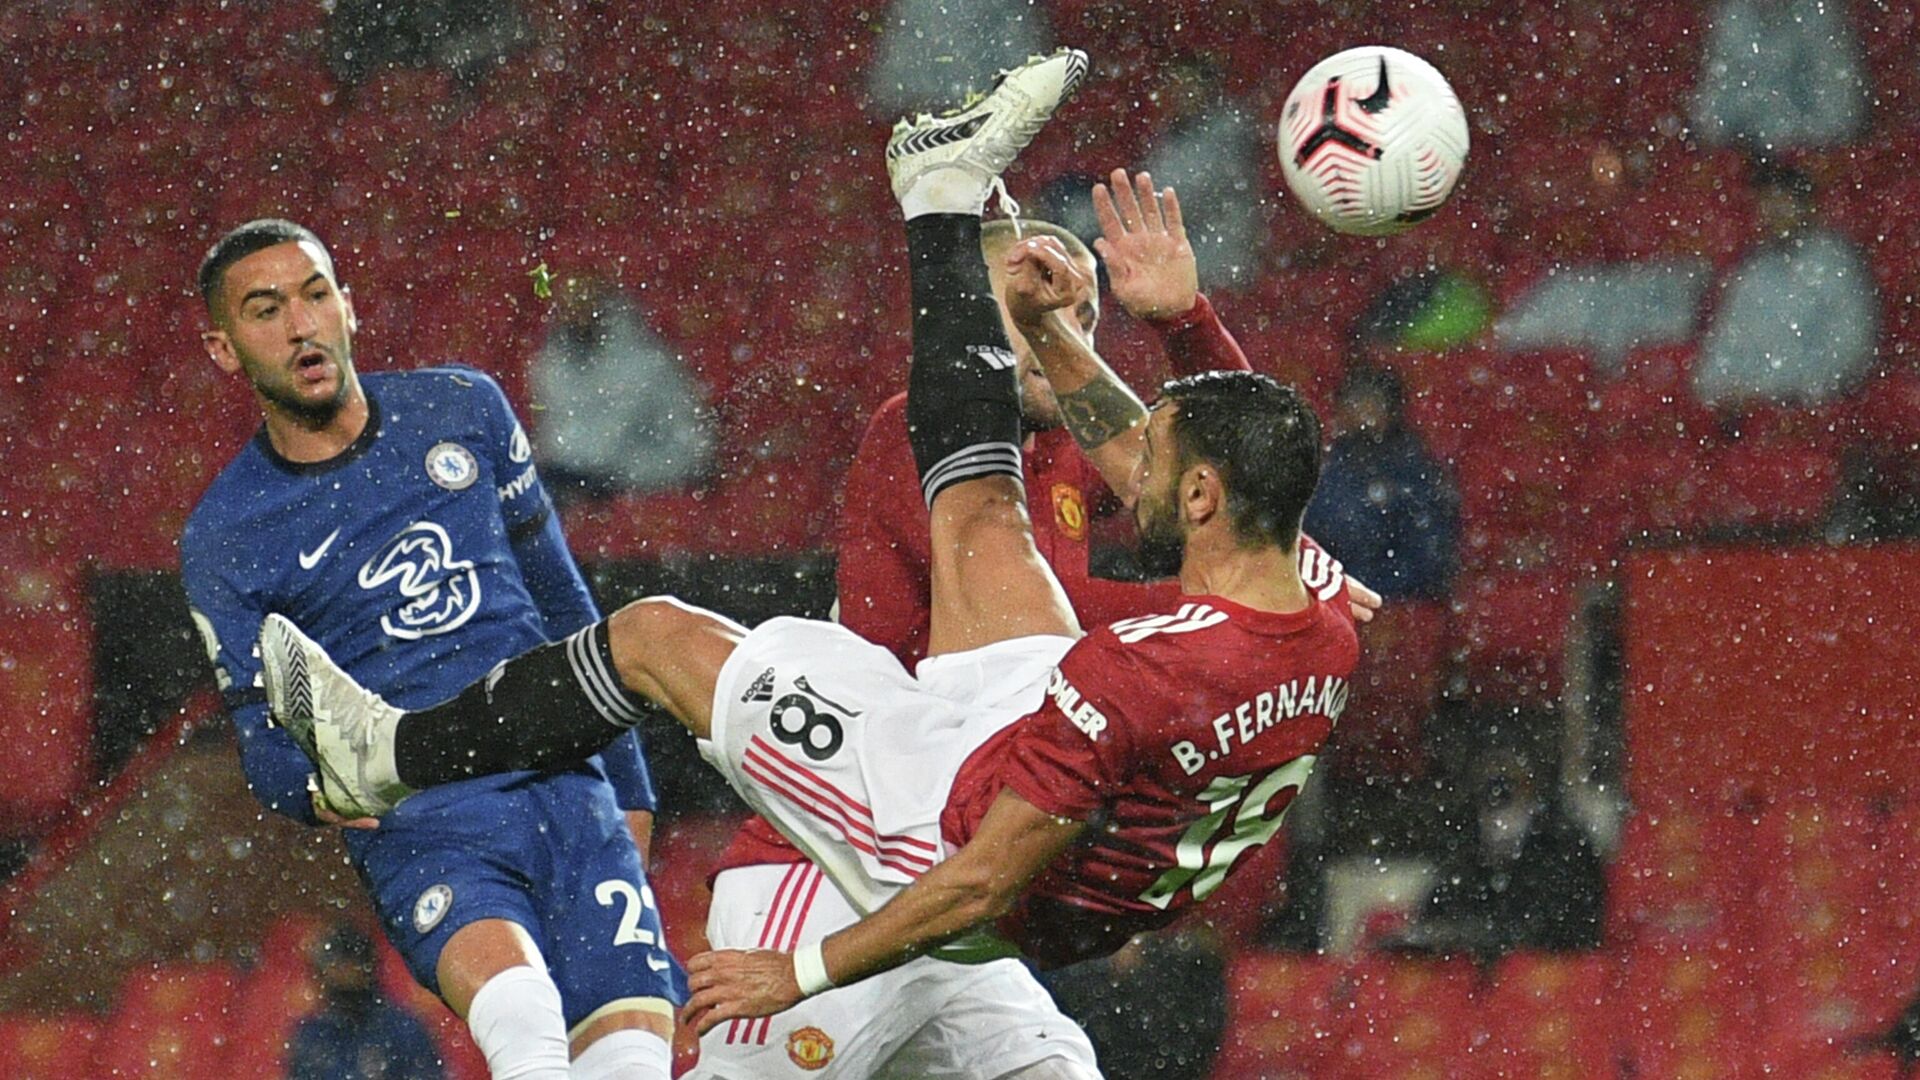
point(1372, 140)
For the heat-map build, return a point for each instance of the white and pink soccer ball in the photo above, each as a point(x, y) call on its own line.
point(1372, 140)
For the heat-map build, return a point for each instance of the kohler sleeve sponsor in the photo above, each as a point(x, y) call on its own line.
point(1074, 706)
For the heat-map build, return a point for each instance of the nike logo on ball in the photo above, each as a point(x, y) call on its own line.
point(1381, 95)
point(311, 559)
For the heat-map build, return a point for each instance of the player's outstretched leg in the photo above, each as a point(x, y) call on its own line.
point(549, 707)
point(963, 409)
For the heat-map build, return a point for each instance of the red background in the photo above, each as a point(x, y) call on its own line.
point(1773, 672)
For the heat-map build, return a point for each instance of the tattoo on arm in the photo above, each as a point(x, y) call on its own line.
point(1099, 411)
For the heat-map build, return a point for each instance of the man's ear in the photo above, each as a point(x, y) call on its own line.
point(353, 321)
point(1202, 495)
point(220, 350)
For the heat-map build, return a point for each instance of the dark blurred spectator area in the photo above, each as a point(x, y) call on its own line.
point(717, 164)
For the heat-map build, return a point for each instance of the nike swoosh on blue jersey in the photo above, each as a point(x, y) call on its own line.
point(311, 559)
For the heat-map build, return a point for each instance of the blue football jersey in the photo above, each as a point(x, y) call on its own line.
point(420, 557)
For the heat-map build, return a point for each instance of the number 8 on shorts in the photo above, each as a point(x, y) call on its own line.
point(796, 721)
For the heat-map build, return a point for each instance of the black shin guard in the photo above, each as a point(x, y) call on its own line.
point(553, 706)
point(963, 397)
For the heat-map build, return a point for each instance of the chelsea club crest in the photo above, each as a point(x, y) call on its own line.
point(452, 466)
point(431, 908)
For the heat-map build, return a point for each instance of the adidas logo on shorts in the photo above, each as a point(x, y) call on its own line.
point(761, 690)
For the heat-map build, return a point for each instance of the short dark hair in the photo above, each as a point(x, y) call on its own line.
point(1263, 438)
point(256, 235)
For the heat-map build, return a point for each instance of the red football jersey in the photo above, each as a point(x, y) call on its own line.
point(883, 546)
point(1182, 737)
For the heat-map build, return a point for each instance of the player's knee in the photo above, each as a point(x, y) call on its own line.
point(645, 630)
point(628, 1045)
point(651, 618)
point(670, 653)
point(654, 621)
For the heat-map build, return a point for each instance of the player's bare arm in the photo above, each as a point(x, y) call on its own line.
point(1105, 417)
point(977, 885)
point(1143, 243)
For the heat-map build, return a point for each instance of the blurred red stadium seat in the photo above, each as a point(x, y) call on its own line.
point(1281, 1018)
point(170, 1023)
point(1396, 687)
point(1690, 1012)
point(53, 1047)
point(1772, 487)
point(1407, 1018)
point(1681, 876)
point(46, 707)
point(1550, 1015)
point(266, 1011)
point(1510, 630)
point(684, 853)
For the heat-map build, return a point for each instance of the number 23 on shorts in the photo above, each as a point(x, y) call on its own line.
point(636, 902)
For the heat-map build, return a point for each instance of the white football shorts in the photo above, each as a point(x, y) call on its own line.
point(828, 737)
point(925, 1019)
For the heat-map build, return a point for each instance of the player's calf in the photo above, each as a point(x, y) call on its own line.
point(963, 407)
point(546, 708)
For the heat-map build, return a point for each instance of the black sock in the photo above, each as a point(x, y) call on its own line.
point(963, 400)
point(556, 705)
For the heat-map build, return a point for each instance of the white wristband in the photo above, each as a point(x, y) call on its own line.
point(810, 970)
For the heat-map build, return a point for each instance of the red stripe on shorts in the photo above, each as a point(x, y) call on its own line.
point(809, 884)
point(783, 898)
point(800, 771)
point(881, 848)
point(836, 818)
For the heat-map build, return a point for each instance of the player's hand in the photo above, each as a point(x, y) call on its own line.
point(327, 816)
point(1362, 600)
point(1143, 241)
point(728, 984)
point(1040, 278)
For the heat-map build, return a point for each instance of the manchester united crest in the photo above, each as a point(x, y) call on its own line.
point(810, 1048)
point(1070, 510)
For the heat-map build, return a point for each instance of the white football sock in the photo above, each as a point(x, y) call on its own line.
point(952, 189)
point(627, 1054)
point(517, 1021)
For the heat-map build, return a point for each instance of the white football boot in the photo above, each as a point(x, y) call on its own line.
point(345, 728)
point(946, 164)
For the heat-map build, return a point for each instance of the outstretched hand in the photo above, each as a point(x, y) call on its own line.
point(1041, 277)
point(1143, 241)
point(728, 984)
point(1361, 600)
